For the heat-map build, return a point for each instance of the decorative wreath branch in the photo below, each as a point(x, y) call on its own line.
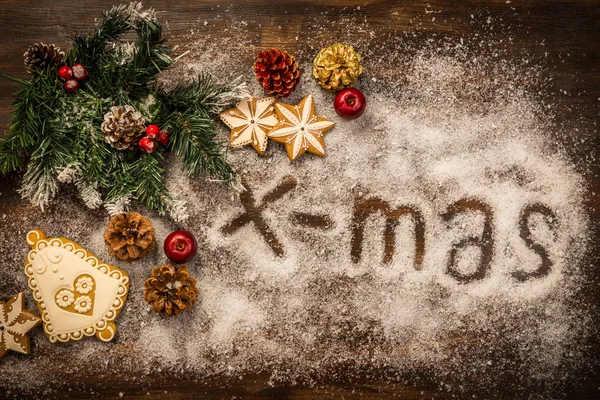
point(56, 136)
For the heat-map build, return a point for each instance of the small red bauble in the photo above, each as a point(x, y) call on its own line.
point(71, 85)
point(163, 138)
point(152, 131)
point(180, 246)
point(79, 72)
point(350, 103)
point(65, 73)
point(147, 145)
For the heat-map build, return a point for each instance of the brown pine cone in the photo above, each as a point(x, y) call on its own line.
point(129, 236)
point(41, 56)
point(123, 127)
point(277, 72)
point(170, 290)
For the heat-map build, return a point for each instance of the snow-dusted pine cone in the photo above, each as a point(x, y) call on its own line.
point(277, 72)
point(123, 127)
point(170, 290)
point(41, 56)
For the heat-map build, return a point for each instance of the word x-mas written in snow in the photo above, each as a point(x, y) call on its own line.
point(363, 209)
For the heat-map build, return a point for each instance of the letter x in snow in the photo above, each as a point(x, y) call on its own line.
point(253, 213)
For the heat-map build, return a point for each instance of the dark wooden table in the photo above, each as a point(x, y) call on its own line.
point(569, 29)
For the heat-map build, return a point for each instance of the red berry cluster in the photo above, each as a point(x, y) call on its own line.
point(72, 76)
point(153, 134)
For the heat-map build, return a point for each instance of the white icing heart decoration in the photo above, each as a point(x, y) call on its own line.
point(77, 294)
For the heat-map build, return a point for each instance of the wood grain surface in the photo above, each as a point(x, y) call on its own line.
point(569, 31)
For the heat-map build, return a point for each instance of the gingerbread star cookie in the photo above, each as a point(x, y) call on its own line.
point(300, 128)
point(15, 324)
point(250, 120)
point(77, 294)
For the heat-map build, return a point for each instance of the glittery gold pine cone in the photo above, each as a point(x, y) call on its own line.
point(123, 127)
point(170, 290)
point(337, 67)
point(129, 236)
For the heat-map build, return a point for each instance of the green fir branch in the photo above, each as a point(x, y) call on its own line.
point(14, 79)
point(10, 154)
point(193, 139)
point(88, 49)
point(120, 171)
point(201, 95)
point(39, 182)
point(150, 189)
point(34, 101)
point(188, 110)
point(60, 132)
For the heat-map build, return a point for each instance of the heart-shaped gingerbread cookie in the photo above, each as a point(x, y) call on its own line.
point(77, 294)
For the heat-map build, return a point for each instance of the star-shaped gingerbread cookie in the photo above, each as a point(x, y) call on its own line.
point(15, 324)
point(300, 129)
point(250, 120)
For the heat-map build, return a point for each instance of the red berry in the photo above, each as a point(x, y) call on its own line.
point(152, 131)
point(79, 72)
point(163, 138)
point(147, 145)
point(65, 73)
point(71, 85)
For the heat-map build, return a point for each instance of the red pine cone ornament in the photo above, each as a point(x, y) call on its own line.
point(277, 72)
